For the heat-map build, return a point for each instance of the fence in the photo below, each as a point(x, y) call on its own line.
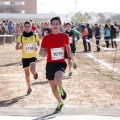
point(109, 57)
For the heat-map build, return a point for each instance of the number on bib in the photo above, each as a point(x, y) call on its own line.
point(29, 48)
point(70, 40)
point(57, 53)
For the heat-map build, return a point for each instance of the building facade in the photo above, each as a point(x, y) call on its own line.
point(18, 6)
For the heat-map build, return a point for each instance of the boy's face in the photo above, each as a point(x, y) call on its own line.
point(27, 28)
point(45, 25)
point(55, 25)
point(68, 27)
point(96, 26)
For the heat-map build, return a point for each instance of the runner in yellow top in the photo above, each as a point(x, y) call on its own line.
point(28, 43)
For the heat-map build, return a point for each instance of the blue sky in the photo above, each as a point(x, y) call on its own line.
point(66, 6)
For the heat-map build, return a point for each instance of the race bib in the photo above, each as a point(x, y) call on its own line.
point(29, 48)
point(70, 40)
point(57, 53)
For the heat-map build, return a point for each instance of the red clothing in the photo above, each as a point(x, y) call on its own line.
point(85, 32)
point(55, 45)
point(34, 28)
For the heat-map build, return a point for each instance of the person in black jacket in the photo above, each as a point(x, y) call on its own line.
point(46, 30)
point(113, 35)
point(90, 35)
point(97, 36)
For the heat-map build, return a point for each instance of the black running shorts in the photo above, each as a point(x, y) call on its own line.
point(26, 61)
point(53, 67)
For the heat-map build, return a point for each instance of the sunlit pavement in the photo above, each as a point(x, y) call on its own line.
point(78, 117)
point(67, 113)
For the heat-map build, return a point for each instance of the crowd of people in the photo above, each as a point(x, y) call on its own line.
point(109, 31)
point(58, 43)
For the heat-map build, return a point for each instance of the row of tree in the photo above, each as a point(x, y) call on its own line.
point(85, 17)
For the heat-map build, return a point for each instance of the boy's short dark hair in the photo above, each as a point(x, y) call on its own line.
point(67, 24)
point(30, 21)
point(55, 18)
point(27, 22)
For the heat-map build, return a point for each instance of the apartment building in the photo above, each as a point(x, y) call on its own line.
point(18, 6)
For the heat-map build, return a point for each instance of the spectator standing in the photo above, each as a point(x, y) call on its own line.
point(113, 35)
point(84, 37)
point(97, 31)
point(107, 35)
point(90, 35)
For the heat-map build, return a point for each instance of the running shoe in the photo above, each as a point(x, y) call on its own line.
point(29, 91)
point(70, 74)
point(35, 76)
point(59, 106)
point(63, 94)
point(74, 65)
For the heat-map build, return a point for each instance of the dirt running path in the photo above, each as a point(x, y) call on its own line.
point(91, 85)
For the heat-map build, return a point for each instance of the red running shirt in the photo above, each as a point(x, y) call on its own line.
point(55, 45)
point(34, 28)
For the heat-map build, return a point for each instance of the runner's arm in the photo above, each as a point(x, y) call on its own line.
point(68, 49)
point(77, 34)
point(18, 46)
point(43, 52)
point(37, 46)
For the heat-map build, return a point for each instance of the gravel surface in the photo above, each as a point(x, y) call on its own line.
point(91, 85)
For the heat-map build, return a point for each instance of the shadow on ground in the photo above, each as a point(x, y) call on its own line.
point(47, 117)
point(11, 64)
point(12, 101)
point(15, 63)
point(39, 83)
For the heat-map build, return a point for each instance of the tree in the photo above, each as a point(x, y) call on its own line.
point(79, 17)
point(101, 15)
point(116, 18)
point(101, 18)
point(108, 21)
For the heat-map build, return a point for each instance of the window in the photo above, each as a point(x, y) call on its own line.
point(12, 3)
point(12, 11)
point(21, 11)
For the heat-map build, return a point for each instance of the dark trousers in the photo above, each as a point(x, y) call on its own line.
point(113, 43)
point(107, 39)
point(85, 45)
point(89, 46)
point(107, 43)
point(98, 44)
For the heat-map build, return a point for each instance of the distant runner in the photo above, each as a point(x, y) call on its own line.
point(73, 34)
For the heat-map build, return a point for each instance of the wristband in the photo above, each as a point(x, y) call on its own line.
point(69, 58)
point(37, 46)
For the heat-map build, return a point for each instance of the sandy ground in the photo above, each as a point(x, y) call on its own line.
point(91, 85)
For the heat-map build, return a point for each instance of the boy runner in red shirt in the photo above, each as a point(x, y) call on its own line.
point(55, 44)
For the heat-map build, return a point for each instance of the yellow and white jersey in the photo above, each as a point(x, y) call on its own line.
point(29, 45)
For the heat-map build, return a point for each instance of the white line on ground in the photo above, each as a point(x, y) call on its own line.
point(108, 65)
